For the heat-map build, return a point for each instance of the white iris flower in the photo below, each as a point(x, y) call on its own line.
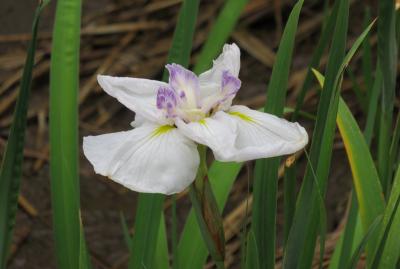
point(160, 154)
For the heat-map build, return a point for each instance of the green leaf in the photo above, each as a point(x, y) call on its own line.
point(388, 253)
point(266, 175)
point(290, 179)
point(367, 56)
point(219, 33)
point(300, 246)
point(191, 248)
point(149, 209)
point(372, 107)
point(366, 239)
point(349, 238)
point(387, 59)
point(207, 213)
point(64, 145)
point(365, 177)
point(251, 252)
point(11, 166)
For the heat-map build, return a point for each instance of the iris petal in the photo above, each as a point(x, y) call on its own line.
point(139, 95)
point(150, 158)
point(229, 60)
point(261, 135)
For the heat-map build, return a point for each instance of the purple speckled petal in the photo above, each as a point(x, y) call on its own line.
point(166, 100)
point(222, 100)
point(230, 84)
point(185, 84)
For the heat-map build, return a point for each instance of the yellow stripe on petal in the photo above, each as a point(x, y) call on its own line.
point(242, 116)
point(162, 130)
point(202, 122)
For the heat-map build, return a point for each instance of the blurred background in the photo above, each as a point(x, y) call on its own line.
point(132, 38)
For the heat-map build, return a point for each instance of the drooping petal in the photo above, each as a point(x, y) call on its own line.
point(186, 85)
point(150, 158)
point(139, 95)
point(214, 132)
point(229, 60)
point(262, 135)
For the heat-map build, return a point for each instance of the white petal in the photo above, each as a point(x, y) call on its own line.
point(262, 135)
point(145, 159)
point(214, 132)
point(229, 60)
point(137, 94)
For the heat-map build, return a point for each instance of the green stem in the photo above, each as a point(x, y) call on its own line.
point(207, 212)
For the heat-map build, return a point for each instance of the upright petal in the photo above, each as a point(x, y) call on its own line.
point(229, 60)
point(214, 132)
point(150, 158)
point(222, 99)
point(137, 94)
point(262, 135)
point(186, 85)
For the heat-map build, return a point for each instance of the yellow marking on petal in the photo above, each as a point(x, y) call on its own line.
point(242, 116)
point(203, 122)
point(162, 130)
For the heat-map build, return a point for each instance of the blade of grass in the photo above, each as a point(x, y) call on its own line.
point(373, 107)
point(174, 233)
point(191, 247)
point(365, 177)
point(161, 256)
point(350, 237)
point(251, 261)
point(149, 209)
point(367, 56)
point(207, 212)
point(300, 246)
point(64, 84)
point(266, 176)
point(11, 166)
point(360, 95)
point(290, 179)
point(388, 253)
point(372, 229)
point(219, 33)
point(387, 59)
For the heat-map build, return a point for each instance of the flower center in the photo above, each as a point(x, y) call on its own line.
point(182, 96)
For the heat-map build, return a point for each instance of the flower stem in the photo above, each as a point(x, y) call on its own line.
point(207, 212)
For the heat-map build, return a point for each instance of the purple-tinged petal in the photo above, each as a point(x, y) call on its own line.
point(166, 100)
point(222, 100)
point(186, 85)
point(230, 84)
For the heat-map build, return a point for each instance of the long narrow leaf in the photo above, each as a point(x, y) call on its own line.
point(192, 249)
point(64, 84)
point(220, 32)
point(301, 241)
point(266, 179)
point(290, 179)
point(387, 59)
point(388, 253)
point(365, 176)
point(11, 166)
